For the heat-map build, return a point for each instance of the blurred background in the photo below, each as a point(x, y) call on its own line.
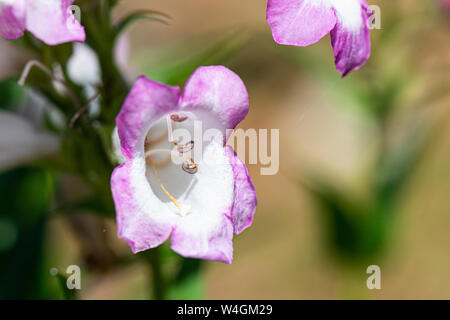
point(364, 173)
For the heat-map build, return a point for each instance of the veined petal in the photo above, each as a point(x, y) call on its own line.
point(351, 36)
point(207, 232)
point(245, 200)
point(300, 22)
point(143, 221)
point(12, 18)
point(52, 21)
point(147, 102)
point(218, 91)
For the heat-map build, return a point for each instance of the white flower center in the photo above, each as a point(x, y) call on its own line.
point(179, 153)
point(349, 13)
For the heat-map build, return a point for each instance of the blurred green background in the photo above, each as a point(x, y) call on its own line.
point(364, 166)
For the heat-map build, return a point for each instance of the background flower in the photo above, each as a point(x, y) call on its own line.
point(60, 25)
point(304, 22)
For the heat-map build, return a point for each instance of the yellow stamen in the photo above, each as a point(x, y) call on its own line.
point(180, 206)
point(152, 142)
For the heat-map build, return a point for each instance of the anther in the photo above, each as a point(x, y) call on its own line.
point(190, 168)
point(177, 118)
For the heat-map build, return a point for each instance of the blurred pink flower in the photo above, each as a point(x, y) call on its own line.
point(51, 21)
point(213, 197)
point(304, 22)
point(447, 3)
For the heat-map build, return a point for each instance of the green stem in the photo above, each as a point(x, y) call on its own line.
point(158, 282)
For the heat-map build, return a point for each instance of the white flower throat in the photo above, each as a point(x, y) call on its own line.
point(179, 150)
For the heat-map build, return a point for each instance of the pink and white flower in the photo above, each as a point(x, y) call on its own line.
point(304, 22)
point(51, 21)
point(201, 203)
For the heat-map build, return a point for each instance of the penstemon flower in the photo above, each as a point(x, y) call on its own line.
point(48, 20)
point(304, 22)
point(200, 202)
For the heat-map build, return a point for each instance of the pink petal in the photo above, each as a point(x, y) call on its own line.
point(245, 201)
point(351, 36)
point(12, 20)
point(219, 91)
point(300, 22)
point(210, 244)
point(207, 232)
point(147, 102)
point(142, 220)
point(52, 22)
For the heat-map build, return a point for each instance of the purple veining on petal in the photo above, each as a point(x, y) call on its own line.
point(304, 22)
point(351, 47)
point(245, 200)
point(300, 22)
point(12, 21)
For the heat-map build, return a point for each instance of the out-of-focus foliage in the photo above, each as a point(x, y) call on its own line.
point(25, 202)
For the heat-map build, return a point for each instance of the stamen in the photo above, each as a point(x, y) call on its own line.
point(169, 129)
point(184, 148)
point(161, 138)
point(188, 166)
point(181, 207)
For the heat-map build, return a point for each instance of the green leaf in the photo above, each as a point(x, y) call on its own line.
point(398, 163)
point(25, 195)
point(11, 94)
point(356, 230)
point(140, 15)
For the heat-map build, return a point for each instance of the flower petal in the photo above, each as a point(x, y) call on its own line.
point(207, 232)
point(300, 22)
point(12, 18)
point(53, 22)
point(351, 36)
point(142, 219)
point(219, 91)
point(147, 102)
point(245, 200)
